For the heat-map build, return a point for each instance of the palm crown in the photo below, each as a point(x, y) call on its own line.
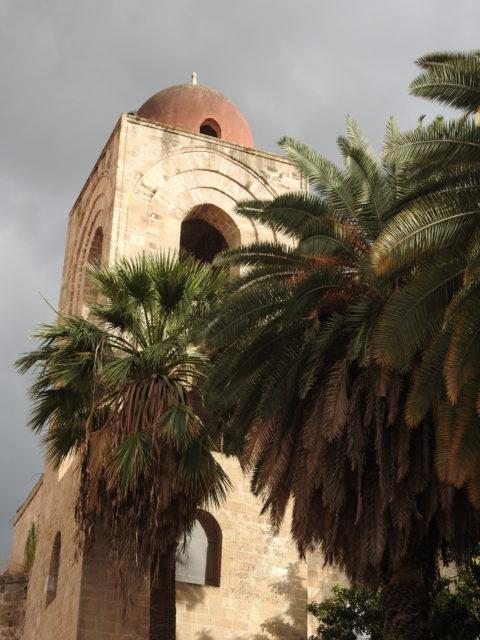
point(123, 388)
point(432, 320)
point(320, 421)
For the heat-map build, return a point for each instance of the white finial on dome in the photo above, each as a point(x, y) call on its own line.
point(194, 78)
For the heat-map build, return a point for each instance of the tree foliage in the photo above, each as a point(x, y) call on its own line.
point(357, 611)
point(431, 324)
point(122, 390)
point(30, 546)
point(320, 422)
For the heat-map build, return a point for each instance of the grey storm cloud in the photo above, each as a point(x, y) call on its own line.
point(69, 68)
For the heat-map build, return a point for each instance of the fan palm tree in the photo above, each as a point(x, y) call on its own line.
point(122, 389)
point(317, 418)
point(437, 238)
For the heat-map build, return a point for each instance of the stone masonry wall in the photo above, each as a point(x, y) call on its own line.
point(104, 614)
point(28, 514)
point(56, 619)
point(13, 591)
point(263, 589)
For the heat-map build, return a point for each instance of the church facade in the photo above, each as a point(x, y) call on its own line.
point(169, 176)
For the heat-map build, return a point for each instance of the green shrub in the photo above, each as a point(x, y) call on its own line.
point(30, 547)
point(355, 612)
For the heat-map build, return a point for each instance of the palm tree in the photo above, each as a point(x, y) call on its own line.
point(432, 320)
point(122, 390)
point(317, 418)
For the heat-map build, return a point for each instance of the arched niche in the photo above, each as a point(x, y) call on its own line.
point(54, 568)
point(206, 231)
point(199, 559)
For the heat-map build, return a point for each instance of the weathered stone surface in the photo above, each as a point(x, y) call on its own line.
point(13, 593)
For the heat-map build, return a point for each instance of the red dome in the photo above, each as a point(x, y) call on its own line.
point(199, 109)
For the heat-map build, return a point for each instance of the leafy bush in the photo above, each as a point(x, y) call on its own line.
point(30, 547)
point(348, 614)
point(354, 613)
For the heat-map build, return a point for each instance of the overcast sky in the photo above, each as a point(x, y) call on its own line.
point(69, 68)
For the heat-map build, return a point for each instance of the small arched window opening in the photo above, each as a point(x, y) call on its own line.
point(52, 578)
point(95, 258)
point(210, 128)
point(201, 239)
point(199, 559)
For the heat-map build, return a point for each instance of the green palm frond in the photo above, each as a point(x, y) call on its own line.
point(247, 309)
point(179, 426)
point(428, 388)
point(434, 222)
point(414, 313)
point(327, 237)
point(202, 476)
point(314, 358)
point(450, 78)
point(463, 357)
point(289, 213)
point(322, 175)
point(131, 460)
point(365, 179)
point(439, 144)
point(261, 254)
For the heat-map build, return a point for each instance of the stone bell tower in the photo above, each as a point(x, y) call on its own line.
point(169, 177)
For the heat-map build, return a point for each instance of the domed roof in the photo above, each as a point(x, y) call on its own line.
point(199, 109)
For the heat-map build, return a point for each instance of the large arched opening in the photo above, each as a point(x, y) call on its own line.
point(206, 231)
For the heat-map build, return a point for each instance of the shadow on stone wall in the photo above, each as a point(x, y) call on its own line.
point(190, 595)
point(291, 622)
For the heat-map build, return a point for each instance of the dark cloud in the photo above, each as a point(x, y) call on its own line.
point(68, 69)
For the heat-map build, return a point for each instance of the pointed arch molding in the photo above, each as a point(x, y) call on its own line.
point(173, 186)
point(92, 213)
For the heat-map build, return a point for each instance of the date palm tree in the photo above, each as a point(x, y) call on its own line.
point(121, 389)
point(319, 421)
point(432, 320)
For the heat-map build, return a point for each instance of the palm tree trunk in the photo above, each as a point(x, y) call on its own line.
point(163, 611)
point(406, 603)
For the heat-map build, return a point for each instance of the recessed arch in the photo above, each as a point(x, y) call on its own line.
point(206, 230)
point(199, 560)
point(54, 568)
point(95, 258)
point(172, 186)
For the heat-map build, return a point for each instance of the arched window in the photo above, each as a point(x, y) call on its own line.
point(52, 579)
point(210, 127)
point(199, 560)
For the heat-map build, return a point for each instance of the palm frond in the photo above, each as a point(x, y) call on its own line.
point(322, 175)
point(414, 313)
point(450, 78)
